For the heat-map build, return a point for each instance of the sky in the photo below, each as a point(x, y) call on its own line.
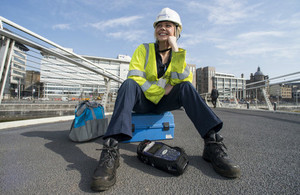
point(234, 36)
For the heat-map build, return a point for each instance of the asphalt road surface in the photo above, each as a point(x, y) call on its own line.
point(40, 159)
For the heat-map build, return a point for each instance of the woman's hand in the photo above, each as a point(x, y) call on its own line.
point(173, 43)
point(168, 89)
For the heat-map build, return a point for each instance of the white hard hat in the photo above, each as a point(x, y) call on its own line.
point(167, 14)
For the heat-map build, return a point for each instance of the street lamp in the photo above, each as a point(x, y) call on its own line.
point(297, 95)
point(278, 96)
point(19, 88)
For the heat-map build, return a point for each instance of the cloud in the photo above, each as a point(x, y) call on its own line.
point(194, 39)
point(127, 35)
point(225, 12)
point(190, 40)
point(255, 44)
point(291, 22)
point(251, 35)
point(107, 5)
point(114, 23)
point(61, 26)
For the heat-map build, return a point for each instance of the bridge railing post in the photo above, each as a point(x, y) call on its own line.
point(275, 106)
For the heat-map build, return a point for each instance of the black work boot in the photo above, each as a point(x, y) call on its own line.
point(214, 152)
point(105, 174)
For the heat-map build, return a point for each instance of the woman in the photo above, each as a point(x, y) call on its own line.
point(158, 81)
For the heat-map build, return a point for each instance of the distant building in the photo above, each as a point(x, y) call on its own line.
point(33, 85)
point(204, 79)
point(62, 79)
point(124, 57)
point(281, 91)
point(193, 70)
point(227, 84)
point(15, 81)
point(255, 84)
point(295, 91)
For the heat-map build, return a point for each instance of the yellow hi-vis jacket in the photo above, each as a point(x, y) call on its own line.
point(143, 70)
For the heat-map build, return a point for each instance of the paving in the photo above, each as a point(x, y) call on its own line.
point(40, 159)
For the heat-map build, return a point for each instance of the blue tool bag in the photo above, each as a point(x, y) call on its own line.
point(89, 122)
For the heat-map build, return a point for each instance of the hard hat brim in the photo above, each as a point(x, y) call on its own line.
point(175, 23)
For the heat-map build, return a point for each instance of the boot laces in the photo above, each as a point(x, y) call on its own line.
point(107, 156)
point(219, 148)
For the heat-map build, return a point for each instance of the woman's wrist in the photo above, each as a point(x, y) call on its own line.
point(175, 48)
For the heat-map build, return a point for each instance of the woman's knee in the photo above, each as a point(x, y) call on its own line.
point(187, 84)
point(128, 83)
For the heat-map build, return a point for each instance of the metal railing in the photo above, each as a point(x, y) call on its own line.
point(62, 73)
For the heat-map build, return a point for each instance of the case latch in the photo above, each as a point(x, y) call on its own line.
point(166, 126)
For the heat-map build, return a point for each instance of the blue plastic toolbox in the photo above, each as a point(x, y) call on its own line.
point(152, 127)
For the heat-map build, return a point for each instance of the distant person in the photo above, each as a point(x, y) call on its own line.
point(214, 96)
point(159, 83)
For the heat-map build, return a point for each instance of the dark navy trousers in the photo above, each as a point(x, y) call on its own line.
point(131, 98)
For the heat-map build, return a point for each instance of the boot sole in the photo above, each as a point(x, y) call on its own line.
point(227, 174)
point(222, 172)
point(98, 186)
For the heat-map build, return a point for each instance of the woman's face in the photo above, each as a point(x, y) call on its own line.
point(163, 30)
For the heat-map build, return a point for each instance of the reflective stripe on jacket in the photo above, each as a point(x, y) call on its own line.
point(143, 70)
